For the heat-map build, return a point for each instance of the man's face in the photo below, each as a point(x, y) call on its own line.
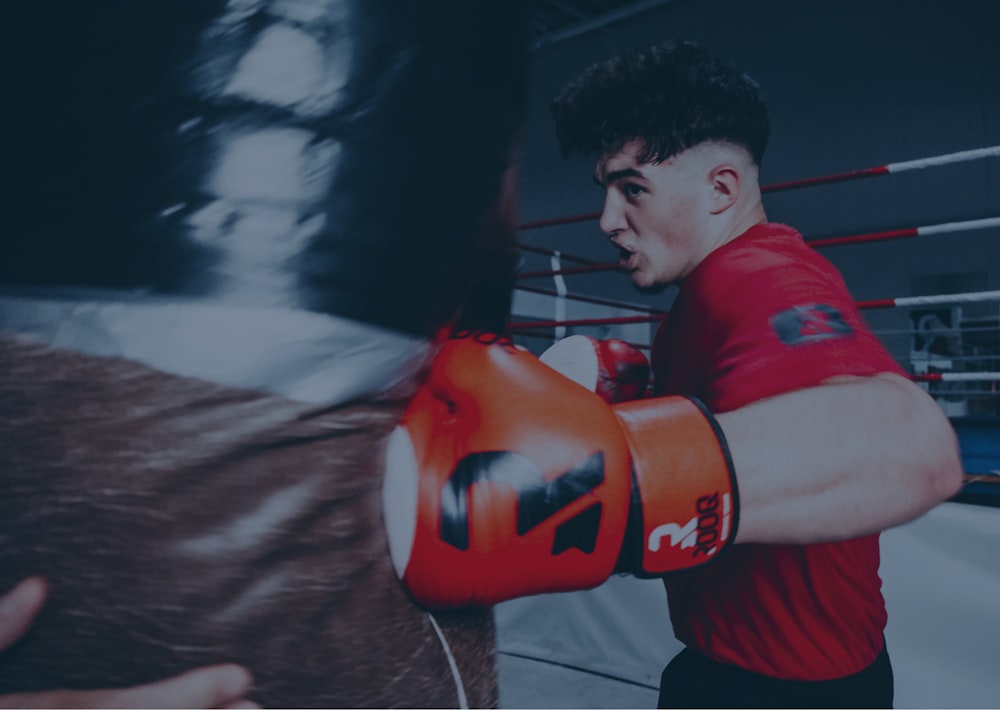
point(655, 213)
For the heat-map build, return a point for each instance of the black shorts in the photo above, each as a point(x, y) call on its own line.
point(691, 680)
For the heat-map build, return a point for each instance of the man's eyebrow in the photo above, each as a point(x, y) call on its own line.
point(616, 175)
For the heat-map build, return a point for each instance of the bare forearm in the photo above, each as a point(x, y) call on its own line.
point(841, 460)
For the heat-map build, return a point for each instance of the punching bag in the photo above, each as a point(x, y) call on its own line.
point(231, 233)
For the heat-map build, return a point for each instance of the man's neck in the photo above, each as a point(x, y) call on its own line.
point(740, 220)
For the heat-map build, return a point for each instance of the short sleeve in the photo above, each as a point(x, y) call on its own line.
point(786, 325)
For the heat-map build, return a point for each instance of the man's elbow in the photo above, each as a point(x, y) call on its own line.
point(944, 476)
point(947, 475)
point(940, 460)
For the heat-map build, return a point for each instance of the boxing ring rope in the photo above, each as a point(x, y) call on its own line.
point(945, 228)
point(887, 169)
point(957, 377)
point(902, 302)
point(573, 270)
point(525, 328)
point(944, 299)
point(593, 299)
point(613, 320)
point(552, 252)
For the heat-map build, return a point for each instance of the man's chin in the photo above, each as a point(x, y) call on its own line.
point(647, 289)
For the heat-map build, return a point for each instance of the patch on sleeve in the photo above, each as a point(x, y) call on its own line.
point(810, 323)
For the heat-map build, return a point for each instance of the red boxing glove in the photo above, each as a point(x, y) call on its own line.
point(508, 479)
point(615, 370)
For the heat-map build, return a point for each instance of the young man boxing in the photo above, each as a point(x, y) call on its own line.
point(783, 439)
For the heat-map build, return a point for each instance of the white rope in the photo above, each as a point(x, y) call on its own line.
point(965, 376)
point(561, 291)
point(975, 154)
point(463, 702)
point(959, 226)
point(948, 298)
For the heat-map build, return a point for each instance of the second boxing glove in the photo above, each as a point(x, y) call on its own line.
point(615, 370)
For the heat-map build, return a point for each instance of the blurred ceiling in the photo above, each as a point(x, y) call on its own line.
point(555, 20)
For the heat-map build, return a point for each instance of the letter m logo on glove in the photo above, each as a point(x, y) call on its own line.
point(537, 498)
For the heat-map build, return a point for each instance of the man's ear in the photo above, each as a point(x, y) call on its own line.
point(726, 181)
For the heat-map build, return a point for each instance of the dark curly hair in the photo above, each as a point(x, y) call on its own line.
point(669, 97)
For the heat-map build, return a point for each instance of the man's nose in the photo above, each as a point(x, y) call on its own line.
point(612, 216)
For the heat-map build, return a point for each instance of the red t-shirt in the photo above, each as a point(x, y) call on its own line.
point(763, 315)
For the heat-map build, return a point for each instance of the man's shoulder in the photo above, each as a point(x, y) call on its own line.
point(770, 252)
point(764, 246)
point(766, 251)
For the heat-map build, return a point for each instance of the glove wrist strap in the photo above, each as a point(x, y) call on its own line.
point(684, 496)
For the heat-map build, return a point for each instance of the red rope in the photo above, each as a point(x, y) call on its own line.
point(860, 238)
point(876, 303)
point(824, 179)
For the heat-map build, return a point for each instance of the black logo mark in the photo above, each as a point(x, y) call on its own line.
point(537, 498)
point(810, 323)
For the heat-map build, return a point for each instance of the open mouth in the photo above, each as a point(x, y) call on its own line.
point(626, 259)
